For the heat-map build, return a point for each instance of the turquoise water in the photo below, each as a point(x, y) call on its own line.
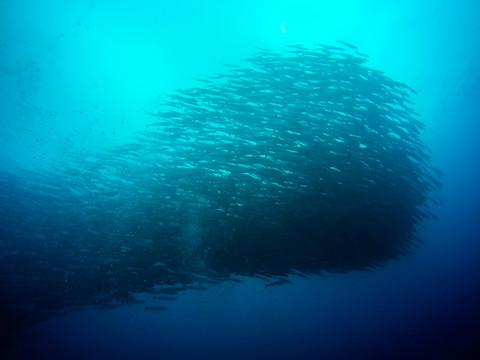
point(76, 79)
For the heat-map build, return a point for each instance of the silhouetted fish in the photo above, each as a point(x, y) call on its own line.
point(304, 161)
point(155, 308)
point(279, 282)
point(164, 298)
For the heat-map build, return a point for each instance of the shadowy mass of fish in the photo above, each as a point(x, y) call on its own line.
point(300, 162)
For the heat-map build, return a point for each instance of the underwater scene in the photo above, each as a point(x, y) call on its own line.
point(239, 180)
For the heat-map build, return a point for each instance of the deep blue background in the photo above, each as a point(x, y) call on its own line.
point(75, 76)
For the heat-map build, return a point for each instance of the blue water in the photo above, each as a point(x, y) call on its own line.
point(75, 76)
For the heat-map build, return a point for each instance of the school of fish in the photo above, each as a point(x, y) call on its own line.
point(301, 162)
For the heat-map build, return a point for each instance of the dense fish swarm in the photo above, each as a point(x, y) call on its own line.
point(298, 162)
